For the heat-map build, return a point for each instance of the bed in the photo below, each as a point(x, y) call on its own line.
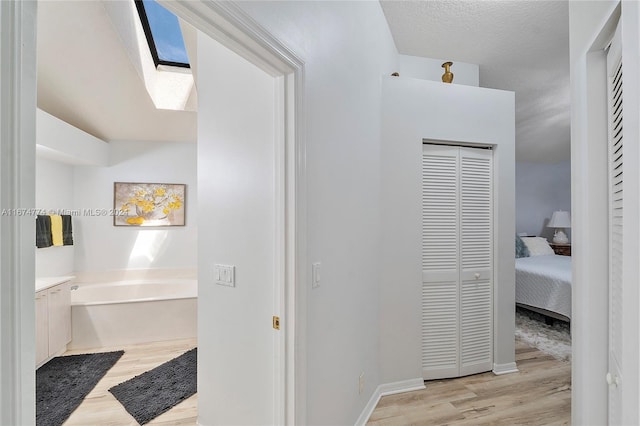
point(543, 284)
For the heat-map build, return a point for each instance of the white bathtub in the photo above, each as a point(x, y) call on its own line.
point(133, 311)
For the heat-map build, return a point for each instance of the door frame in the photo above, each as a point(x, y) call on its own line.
point(227, 23)
point(17, 195)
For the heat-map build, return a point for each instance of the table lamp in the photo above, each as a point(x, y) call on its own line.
point(560, 220)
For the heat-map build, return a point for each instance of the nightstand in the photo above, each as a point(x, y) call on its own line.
point(561, 249)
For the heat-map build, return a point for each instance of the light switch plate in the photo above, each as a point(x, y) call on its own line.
point(224, 275)
point(315, 275)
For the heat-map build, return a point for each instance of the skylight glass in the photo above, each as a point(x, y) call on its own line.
point(163, 34)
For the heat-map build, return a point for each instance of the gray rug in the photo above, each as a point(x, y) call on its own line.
point(554, 339)
point(63, 382)
point(150, 394)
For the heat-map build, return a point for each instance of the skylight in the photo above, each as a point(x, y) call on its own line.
point(163, 34)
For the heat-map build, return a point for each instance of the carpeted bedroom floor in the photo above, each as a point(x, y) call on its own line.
point(554, 339)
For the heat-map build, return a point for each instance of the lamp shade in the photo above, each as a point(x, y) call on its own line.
point(560, 219)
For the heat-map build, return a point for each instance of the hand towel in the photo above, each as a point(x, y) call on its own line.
point(67, 231)
point(56, 229)
point(43, 231)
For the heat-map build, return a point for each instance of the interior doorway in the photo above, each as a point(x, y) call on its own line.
point(221, 21)
point(228, 25)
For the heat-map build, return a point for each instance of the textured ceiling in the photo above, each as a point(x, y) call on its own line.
point(86, 78)
point(522, 46)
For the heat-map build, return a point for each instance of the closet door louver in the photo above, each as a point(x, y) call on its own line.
point(476, 234)
point(440, 262)
point(457, 326)
point(615, 145)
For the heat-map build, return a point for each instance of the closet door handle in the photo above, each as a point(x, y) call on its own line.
point(612, 380)
point(477, 275)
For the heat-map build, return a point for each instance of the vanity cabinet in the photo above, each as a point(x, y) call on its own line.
point(53, 321)
point(42, 327)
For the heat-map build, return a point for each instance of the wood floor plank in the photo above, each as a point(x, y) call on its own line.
point(539, 394)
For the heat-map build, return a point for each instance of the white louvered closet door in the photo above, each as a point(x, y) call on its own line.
point(476, 236)
point(615, 145)
point(457, 326)
point(440, 262)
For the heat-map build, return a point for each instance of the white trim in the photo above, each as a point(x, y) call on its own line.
point(17, 191)
point(402, 386)
point(508, 368)
point(297, 277)
point(280, 239)
point(388, 389)
point(589, 326)
point(228, 24)
point(368, 409)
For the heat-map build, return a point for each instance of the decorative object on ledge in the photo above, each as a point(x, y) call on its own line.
point(148, 204)
point(560, 220)
point(395, 74)
point(447, 77)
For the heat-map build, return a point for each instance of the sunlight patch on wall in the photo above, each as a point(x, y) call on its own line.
point(148, 245)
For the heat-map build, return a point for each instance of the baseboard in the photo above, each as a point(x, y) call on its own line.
point(510, 367)
point(401, 387)
point(387, 389)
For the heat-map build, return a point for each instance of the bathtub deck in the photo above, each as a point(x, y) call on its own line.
point(101, 408)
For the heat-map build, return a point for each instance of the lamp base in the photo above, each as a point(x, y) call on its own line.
point(560, 237)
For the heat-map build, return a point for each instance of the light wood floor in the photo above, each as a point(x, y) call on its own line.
point(102, 408)
point(539, 394)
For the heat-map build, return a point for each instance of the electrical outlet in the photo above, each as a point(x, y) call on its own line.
point(361, 383)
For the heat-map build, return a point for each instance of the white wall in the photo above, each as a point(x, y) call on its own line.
point(100, 246)
point(236, 187)
point(344, 63)
point(54, 191)
point(60, 146)
point(62, 142)
point(431, 69)
point(541, 189)
point(412, 111)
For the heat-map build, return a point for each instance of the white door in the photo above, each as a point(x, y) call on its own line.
point(237, 205)
point(457, 260)
point(476, 260)
point(440, 262)
point(615, 84)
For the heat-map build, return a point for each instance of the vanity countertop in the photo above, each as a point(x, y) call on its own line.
point(44, 283)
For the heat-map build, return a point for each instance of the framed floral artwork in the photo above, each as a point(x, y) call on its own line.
point(148, 204)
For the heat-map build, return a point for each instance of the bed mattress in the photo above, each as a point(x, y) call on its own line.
point(545, 282)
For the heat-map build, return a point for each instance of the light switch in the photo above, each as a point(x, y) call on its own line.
point(224, 275)
point(315, 275)
point(231, 279)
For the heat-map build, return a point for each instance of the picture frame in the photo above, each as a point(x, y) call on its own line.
point(149, 204)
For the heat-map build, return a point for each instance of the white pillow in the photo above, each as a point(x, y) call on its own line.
point(537, 246)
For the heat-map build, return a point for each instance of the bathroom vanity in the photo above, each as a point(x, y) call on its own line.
point(53, 317)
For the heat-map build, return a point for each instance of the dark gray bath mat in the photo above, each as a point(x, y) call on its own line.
point(150, 394)
point(63, 382)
